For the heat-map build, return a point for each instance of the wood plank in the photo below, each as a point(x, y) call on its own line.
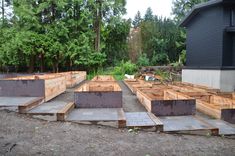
point(103, 78)
point(63, 113)
point(30, 105)
point(54, 87)
point(223, 102)
point(208, 109)
point(173, 95)
point(144, 100)
point(157, 121)
point(74, 77)
point(121, 118)
point(205, 88)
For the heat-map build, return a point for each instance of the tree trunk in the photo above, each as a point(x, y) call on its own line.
point(31, 64)
point(42, 63)
point(55, 67)
point(97, 27)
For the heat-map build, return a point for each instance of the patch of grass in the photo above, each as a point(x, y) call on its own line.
point(117, 72)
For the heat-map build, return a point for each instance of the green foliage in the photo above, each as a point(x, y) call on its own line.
point(182, 7)
point(116, 47)
point(143, 60)
point(124, 68)
point(118, 71)
point(61, 34)
point(159, 38)
point(137, 20)
point(164, 74)
point(182, 58)
point(160, 59)
point(148, 15)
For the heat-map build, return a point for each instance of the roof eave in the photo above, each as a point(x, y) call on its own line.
point(196, 9)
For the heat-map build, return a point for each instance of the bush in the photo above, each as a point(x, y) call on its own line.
point(160, 59)
point(125, 68)
point(143, 60)
point(118, 71)
point(182, 58)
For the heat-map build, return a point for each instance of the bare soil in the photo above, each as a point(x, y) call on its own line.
point(23, 135)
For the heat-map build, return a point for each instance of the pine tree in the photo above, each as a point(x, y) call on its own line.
point(149, 15)
point(137, 20)
point(182, 7)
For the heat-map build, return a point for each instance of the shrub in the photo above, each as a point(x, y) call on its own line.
point(125, 68)
point(143, 60)
point(182, 58)
point(160, 59)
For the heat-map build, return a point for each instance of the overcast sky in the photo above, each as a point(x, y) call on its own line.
point(159, 7)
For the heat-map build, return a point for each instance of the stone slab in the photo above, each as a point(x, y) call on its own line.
point(15, 101)
point(185, 123)
point(139, 119)
point(101, 114)
point(48, 108)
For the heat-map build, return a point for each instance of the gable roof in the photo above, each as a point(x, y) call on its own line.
point(197, 8)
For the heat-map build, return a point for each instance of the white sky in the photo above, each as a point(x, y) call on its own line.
point(159, 7)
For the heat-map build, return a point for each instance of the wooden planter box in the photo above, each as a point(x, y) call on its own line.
point(209, 101)
point(134, 85)
point(98, 95)
point(215, 106)
point(46, 86)
point(74, 78)
point(103, 78)
point(162, 102)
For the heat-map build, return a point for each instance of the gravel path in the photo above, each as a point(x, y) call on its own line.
point(130, 101)
point(22, 135)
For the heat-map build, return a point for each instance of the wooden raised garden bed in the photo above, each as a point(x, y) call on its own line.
point(73, 78)
point(164, 102)
point(46, 86)
point(98, 95)
point(218, 105)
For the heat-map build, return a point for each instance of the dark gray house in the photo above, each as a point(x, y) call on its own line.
point(210, 45)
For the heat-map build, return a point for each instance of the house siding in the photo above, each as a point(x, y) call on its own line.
point(205, 39)
point(228, 37)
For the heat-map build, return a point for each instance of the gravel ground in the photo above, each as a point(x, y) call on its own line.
point(23, 135)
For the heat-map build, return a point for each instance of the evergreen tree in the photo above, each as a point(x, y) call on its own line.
point(137, 20)
point(182, 7)
point(149, 15)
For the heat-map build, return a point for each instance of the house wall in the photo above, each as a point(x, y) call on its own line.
point(218, 79)
point(205, 39)
point(233, 50)
point(228, 37)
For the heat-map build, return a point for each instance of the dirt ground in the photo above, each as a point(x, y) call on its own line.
point(23, 135)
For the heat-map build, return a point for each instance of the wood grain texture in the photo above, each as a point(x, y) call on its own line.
point(63, 113)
